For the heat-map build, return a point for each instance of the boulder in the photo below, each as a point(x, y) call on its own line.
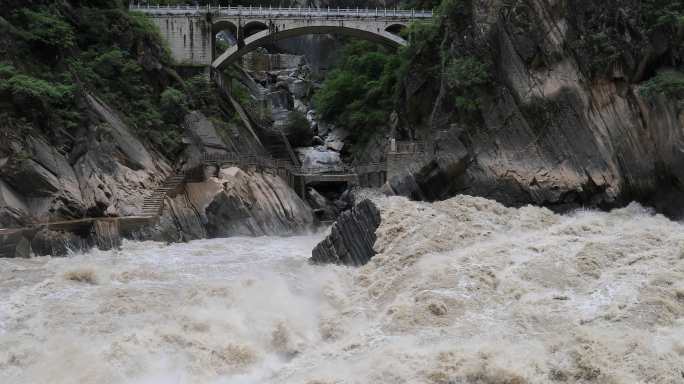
point(30, 178)
point(255, 204)
point(351, 238)
point(132, 152)
point(203, 132)
point(299, 88)
point(323, 208)
point(15, 243)
point(13, 210)
point(335, 139)
point(439, 178)
point(56, 243)
point(316, 157)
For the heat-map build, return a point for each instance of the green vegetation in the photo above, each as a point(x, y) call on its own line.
point(465, 75)
point(666, 14)
point(23, 86)
point(56, 51)
point(173, 105)
point(617, 34)
point(296, 120)
point(45, 28)
point(669, 83)
point(359, 93)
point(369, 83)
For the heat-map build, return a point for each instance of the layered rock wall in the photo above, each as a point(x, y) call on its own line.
point(547, 130)
point(351, 238)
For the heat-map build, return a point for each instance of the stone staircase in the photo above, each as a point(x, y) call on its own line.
point(153, 205)
point(277, 145)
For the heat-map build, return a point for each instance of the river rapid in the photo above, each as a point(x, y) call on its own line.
point(461, 291)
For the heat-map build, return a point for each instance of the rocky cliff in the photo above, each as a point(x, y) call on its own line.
point(351, 238)
point(108, 173)
point(550, 103)
point(235, 203)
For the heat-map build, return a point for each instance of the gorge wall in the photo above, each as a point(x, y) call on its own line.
point(551, 103)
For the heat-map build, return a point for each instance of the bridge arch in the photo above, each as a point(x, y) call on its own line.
point(377, 32)
point(252, 27)
point(396, 28)
point(220, 26)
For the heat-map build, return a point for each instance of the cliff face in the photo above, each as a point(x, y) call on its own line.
point(236, 203)
point(107, 174)
point(561, 119)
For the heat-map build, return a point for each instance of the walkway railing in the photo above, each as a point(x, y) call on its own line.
point(285, 12)
point(267, 162)
point(407, 147)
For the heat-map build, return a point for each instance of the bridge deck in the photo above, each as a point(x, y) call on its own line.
point(327, 13)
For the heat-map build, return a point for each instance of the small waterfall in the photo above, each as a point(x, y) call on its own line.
point(107, 234)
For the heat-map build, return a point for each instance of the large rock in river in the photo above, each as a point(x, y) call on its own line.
point(351, 238)
point(255, 204)
point(237, 203)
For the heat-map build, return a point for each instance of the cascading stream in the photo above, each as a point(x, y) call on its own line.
point(461, 291)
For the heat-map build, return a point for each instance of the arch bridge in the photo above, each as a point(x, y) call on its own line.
point(190, 31)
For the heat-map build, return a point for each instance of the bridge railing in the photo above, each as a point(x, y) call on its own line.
point(285, 12)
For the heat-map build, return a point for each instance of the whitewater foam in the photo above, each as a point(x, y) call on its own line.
point(461, 291)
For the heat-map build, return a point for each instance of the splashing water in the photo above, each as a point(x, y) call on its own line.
point(462, 291)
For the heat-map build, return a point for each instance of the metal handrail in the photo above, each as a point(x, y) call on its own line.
point(269, 162)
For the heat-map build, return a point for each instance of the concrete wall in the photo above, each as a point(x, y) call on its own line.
point(255, 61)
point(188, 37)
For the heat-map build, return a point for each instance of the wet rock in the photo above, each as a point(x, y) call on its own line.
point(15, 244)
point(351, 238)
point(324, 208)
point(55, 243)
point(438, 179)
point(299, 88)
point(300, 106)
point(335, 139)
point(255, 204)
point(316, 157)
point(13, 211)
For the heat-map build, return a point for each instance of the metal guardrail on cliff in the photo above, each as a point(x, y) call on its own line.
point(270, 12)
point(269, 162)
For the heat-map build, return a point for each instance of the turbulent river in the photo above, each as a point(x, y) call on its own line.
point(462, 291)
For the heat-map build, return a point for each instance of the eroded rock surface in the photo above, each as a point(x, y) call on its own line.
point(351, 238)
